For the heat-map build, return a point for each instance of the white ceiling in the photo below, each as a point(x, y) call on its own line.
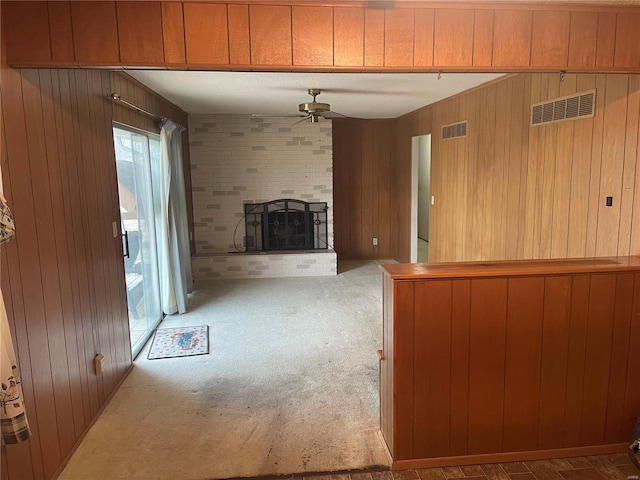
point(359, 95)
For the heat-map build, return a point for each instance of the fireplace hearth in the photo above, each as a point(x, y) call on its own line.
point(286, 224)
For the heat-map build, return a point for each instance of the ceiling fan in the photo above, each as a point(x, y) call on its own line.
point(315, 109)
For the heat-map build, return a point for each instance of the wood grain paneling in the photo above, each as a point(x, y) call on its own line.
point(270, 28)
point(398, 37)
point(553, 363)
point(550, 38)
point(374, 32)
point(612, 166)
point(630, 167)
point(432, 383)
point(386, 364)
point(38, 293)
point(423, 42)
point(571, 152)
point(25, 28)
point(583, 39)
point(140, 32)
point(511, 38)
point(17, 146)
point(632, 394)
point(59, 177)
point(60, 31)
point(453, 38)
point(173, 32)
point(403, 352)
point(525, 308)
point(95, 33)
point(206, 33)
point(362, 188)
point(519, 358)
point(482, 37)
point(531, 192)
point(634, 87)
point(576, 360)
point(348, 36)
point(625, 53)
point(596, 162)
point(312, 29)
point(383, 213)
point(365, 200)
point(487, 364)
point(494, 37)
point(460, 313)
point(239, 48)
point(600, 323)
point(59, 291)
point(606, 39)
point(615, 427)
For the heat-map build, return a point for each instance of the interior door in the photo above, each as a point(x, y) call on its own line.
point(135, 152)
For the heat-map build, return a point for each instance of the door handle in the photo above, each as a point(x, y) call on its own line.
point(126, 244)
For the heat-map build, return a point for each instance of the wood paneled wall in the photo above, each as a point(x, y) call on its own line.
point(524, 364)
point(512, 191)
point(362, 177)
point(62, 275)
point(319, 35)
point(507, 190)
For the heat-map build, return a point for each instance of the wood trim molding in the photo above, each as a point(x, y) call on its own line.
point(508, 457)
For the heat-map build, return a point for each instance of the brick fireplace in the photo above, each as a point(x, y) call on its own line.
point(239, 160)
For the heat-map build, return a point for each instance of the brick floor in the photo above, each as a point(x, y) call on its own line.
point(601, 467)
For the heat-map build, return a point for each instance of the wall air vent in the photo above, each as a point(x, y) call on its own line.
point(564, 108)
point(454, 131)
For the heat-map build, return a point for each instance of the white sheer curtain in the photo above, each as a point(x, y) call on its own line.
point(173, 231)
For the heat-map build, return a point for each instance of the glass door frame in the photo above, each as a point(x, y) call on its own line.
point(141, 268)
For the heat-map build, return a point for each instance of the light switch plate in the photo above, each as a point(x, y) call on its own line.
point(114, 226)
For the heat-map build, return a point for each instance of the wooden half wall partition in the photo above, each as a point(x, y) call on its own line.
point(63, 274)
point(322, 35)
point(506, 361)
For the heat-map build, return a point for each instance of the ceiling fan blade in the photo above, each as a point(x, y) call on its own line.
point(332, 115)
point(301, 120)
point(263, 115)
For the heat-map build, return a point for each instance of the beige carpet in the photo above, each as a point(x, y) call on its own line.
point(290, 386)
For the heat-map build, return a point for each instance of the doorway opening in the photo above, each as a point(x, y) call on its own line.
point(136, 153)
point(421, 198)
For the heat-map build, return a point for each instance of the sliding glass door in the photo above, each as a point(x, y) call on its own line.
point(136, 152)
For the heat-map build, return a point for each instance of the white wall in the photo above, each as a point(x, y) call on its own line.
point(424, 186)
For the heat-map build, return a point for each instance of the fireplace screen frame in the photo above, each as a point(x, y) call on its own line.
point(286, 224)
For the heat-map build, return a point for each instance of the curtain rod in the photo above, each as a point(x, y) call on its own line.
point(117, 98)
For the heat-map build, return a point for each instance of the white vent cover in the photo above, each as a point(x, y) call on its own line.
point(455, 130)
point(564, 108)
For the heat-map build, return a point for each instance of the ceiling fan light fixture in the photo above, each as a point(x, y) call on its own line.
point(314, 107)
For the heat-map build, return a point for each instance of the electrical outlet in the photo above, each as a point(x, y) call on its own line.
point(375, 240)
point(98, 362)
